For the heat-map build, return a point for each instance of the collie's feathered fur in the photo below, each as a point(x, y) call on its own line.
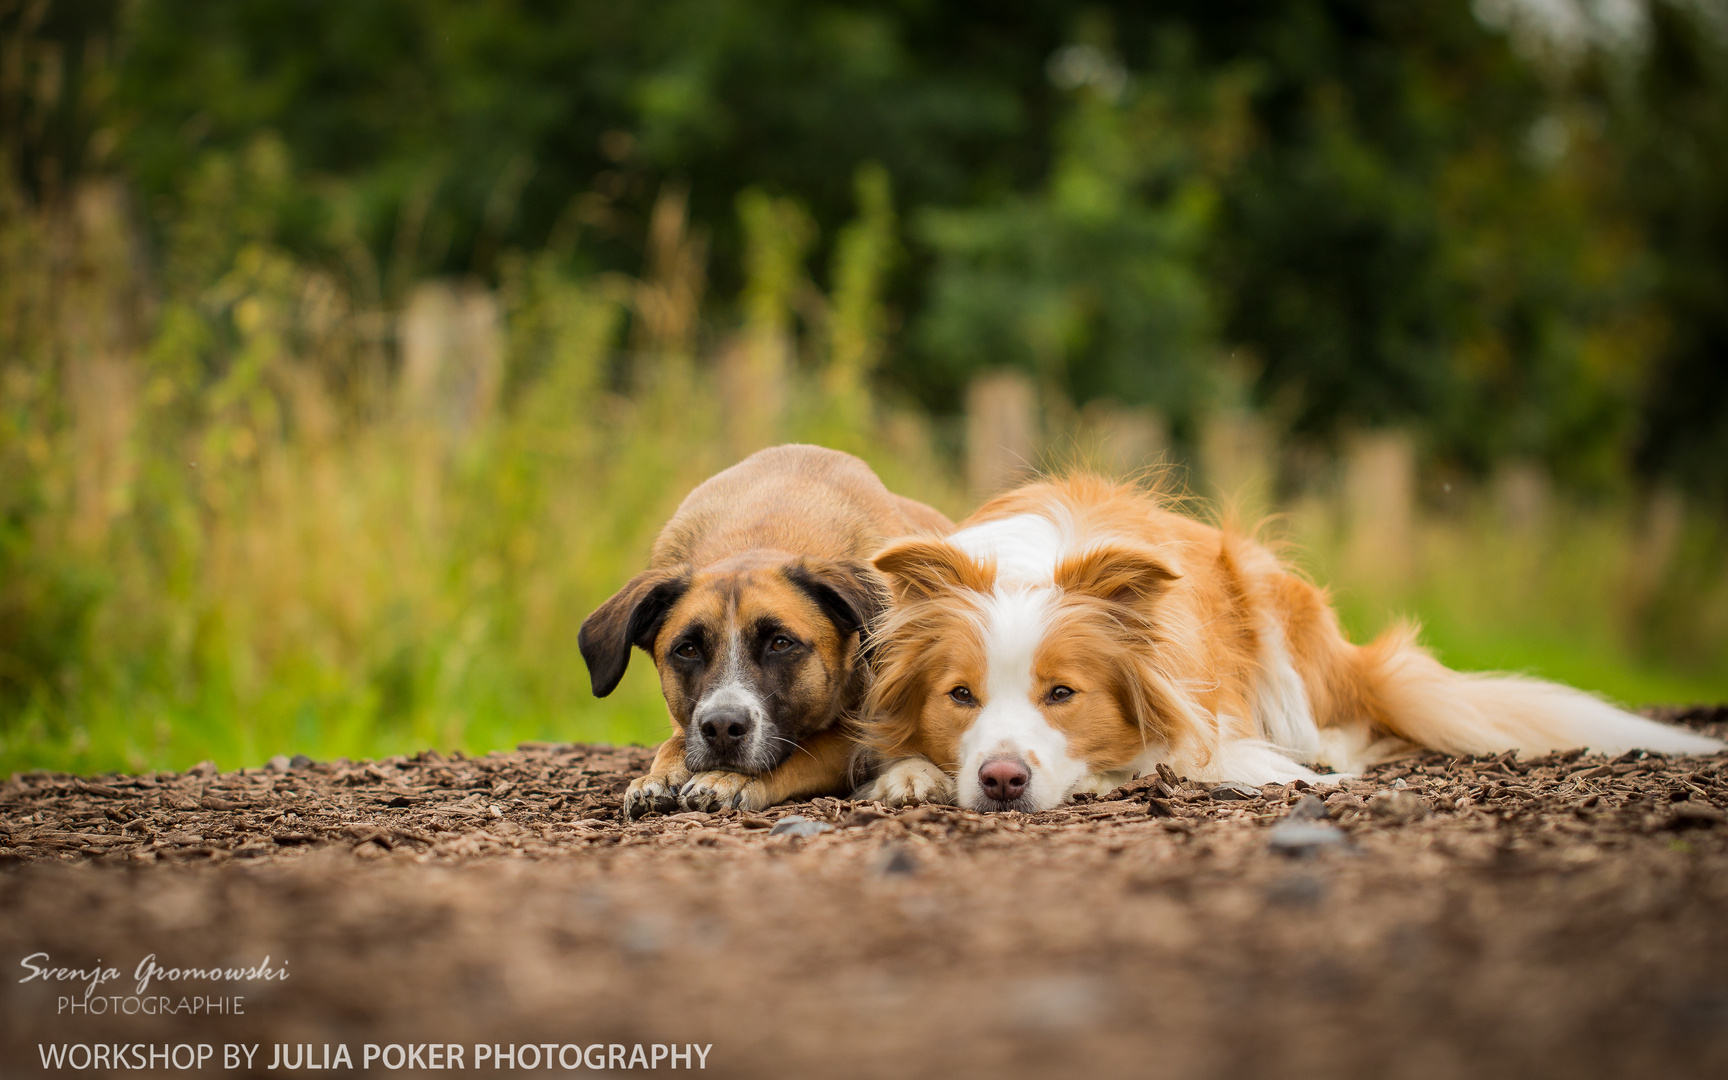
point(1081, 627)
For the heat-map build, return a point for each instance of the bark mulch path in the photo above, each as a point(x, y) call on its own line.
point(1565, 916)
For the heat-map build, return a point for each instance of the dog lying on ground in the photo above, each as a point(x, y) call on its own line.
point(751, 608)
point(1074, 633)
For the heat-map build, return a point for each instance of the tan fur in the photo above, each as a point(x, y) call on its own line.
point(921, 569)
point(795, 500)
point(1173, 633)
point(731, 556)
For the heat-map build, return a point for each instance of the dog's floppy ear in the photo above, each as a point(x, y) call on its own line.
point(919, 569)
point(632, 617)
point(1123, 575)
point(850, 593)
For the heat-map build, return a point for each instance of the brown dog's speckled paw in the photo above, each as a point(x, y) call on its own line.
point(654, 793)
point(712, 791)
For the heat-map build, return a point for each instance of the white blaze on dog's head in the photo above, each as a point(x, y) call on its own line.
point(1011, 664)
point(1010, 731)
point(731, 707)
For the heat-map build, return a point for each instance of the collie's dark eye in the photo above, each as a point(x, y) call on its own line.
point(963, 695)
point(688, 651)
point(1060, 694)
point(780, 643)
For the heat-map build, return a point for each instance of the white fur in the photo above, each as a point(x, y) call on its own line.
point(1488, 713)
point(1100, 783)
point(1025, 547)
point(1281, 710)
point(1352, 748)
point(1014, 621)
point(1254, 762)
point(908, 780)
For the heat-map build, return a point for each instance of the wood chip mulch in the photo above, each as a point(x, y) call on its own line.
point(1435, 917)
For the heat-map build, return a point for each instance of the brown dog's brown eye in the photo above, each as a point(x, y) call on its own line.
point(780, 644)
point(1060, 694)
point(962, 695)
point(688, 651)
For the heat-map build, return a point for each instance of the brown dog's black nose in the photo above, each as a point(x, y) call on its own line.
point(1004, 779)
point(724, 730)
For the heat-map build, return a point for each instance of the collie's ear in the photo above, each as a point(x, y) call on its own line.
point(1122, 575)
point(849, 592)
point(920, 569)
point(632, 617)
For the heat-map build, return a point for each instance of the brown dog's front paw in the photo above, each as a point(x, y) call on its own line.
point(712, 791)
point(654, 793)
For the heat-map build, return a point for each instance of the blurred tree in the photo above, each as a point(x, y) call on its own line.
point(1427, 232)
point(1097, 283)
point(1673, 124)
point(469, 126)
point(1501, 221)
point(55, 82)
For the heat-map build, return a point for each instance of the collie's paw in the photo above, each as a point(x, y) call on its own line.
point(654, 793)
point(907, 782)
point(712, 791)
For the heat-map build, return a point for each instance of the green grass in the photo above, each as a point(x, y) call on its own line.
point(1579, 598)
point(1488, 599)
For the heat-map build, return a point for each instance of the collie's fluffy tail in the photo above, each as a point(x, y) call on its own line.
point(1422, 701)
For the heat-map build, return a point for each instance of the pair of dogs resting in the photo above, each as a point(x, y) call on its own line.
point(813, 631)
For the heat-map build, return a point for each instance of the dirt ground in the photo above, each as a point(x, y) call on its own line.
point(1566, 916)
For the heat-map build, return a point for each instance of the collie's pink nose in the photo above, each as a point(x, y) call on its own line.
point(1004, 779)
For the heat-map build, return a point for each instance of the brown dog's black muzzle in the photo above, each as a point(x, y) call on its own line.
point(725, 733)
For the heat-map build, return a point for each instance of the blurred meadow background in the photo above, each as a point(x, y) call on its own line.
point(351, 353)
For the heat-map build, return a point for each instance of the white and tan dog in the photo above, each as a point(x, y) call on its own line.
point(1075, 633)
point(752, 609)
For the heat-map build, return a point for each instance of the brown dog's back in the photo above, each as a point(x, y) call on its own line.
point(803, 500)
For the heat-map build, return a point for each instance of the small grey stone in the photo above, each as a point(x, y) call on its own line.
point(278, 764)
point(1230, 790)
point(1296, 890)
point(641, 936)
point(794, 825)
point(1054, 1003)
point(1399, 784)
point(300, 761)
point(899, 863)
point(1308, 808)
point(1305, 837)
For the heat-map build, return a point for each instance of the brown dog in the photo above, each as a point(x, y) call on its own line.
point(752, 607)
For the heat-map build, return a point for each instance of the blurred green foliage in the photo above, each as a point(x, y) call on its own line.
point(255, 529)
point(1505, 231)
point(1097, 281)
